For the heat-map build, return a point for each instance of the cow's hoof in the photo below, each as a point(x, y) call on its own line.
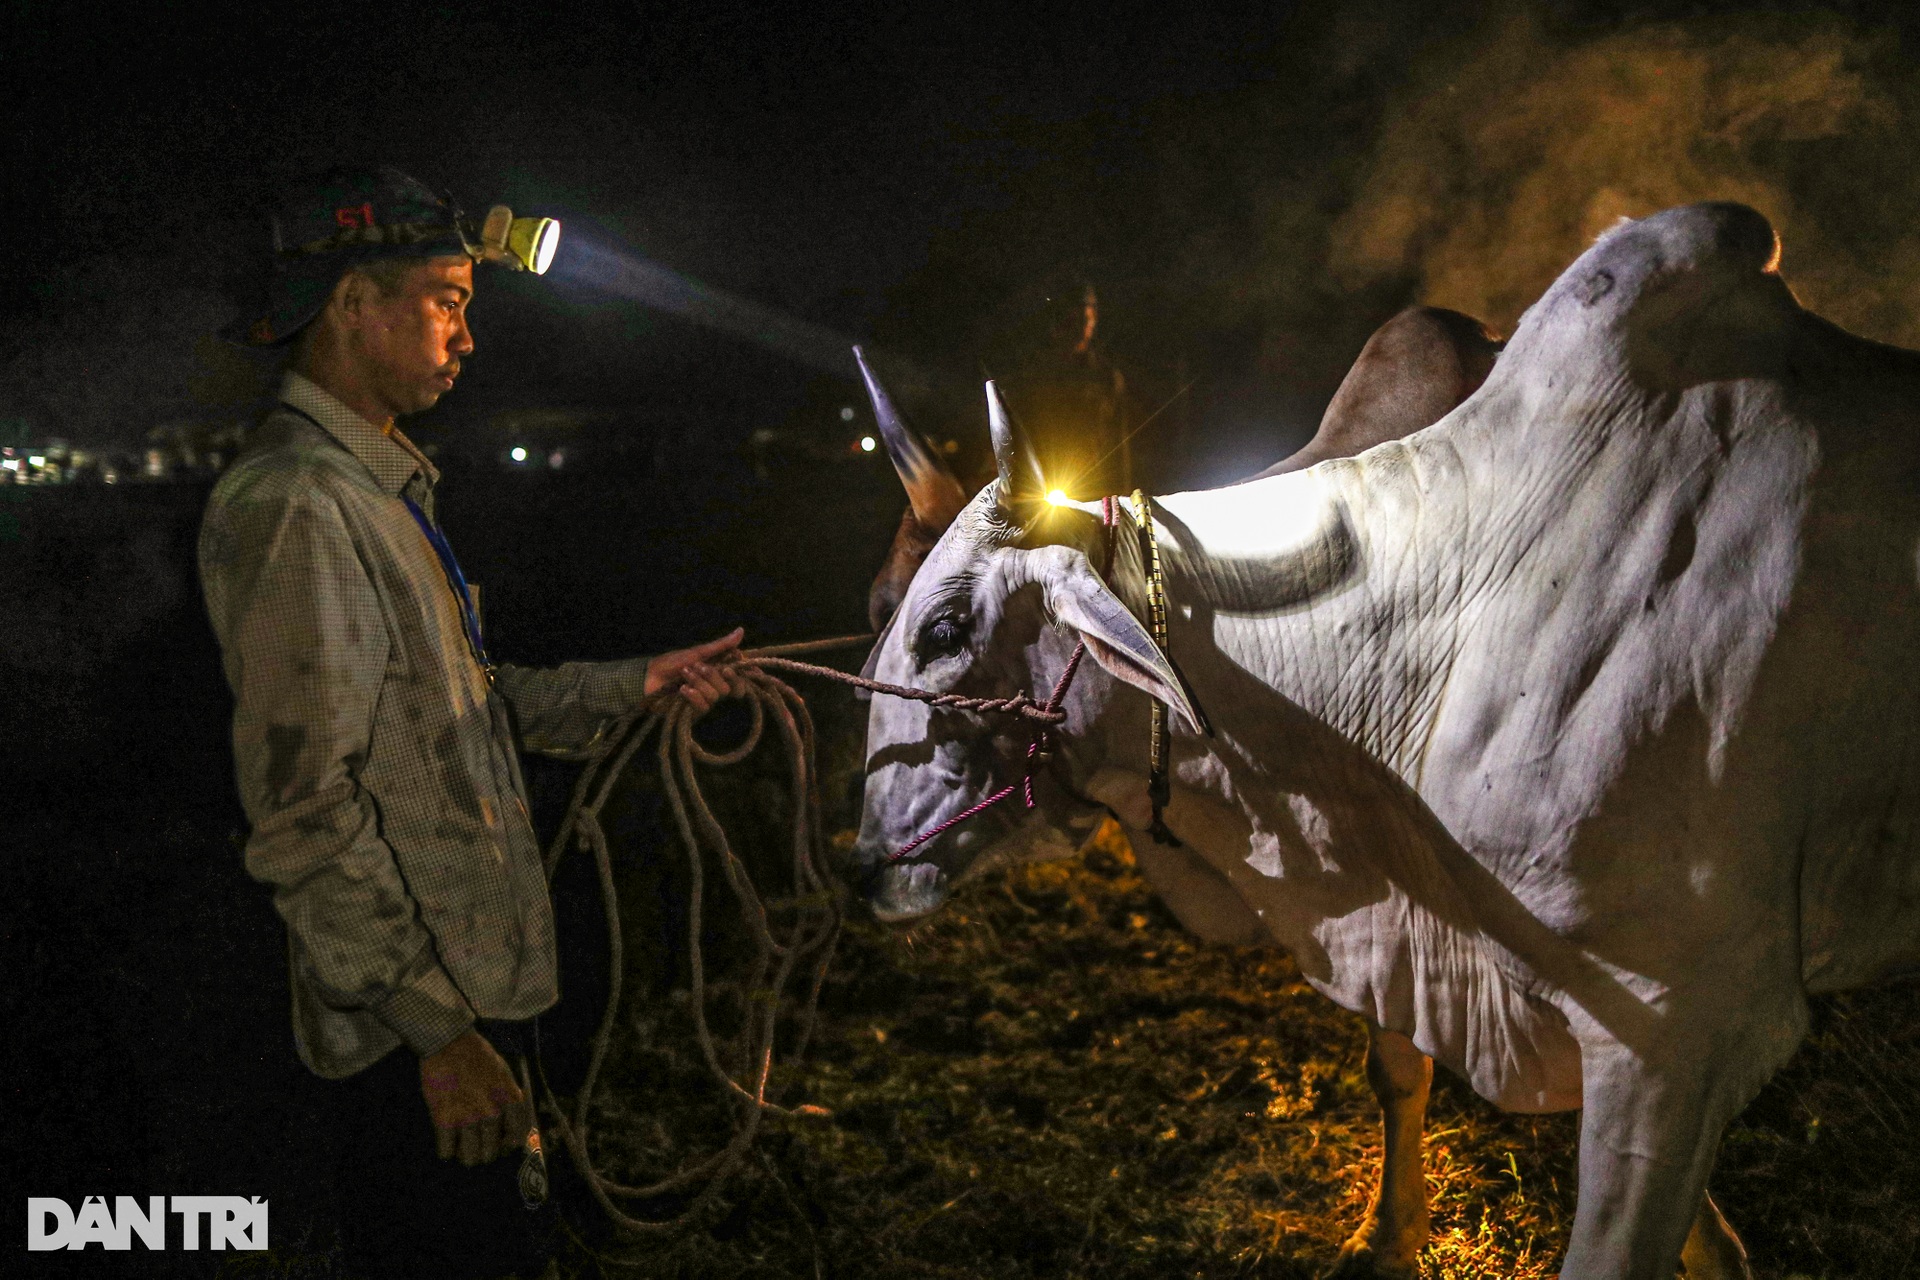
point(1375, 1253)
point(1713, 1250)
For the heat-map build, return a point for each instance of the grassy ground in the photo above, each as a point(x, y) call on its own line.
point(1049, 1079)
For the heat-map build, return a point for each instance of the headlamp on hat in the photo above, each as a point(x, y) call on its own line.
point(347, 217)
point(525, 244)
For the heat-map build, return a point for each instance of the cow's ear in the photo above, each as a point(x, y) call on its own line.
point(1077, 598)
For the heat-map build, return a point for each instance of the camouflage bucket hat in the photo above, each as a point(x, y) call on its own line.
point(333, 223)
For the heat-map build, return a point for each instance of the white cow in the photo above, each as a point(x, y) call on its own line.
point(1573, 738)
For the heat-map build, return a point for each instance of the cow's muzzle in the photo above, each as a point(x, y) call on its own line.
point(901, 891)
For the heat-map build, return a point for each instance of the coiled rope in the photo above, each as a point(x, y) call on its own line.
point(802, 944)
point(814, 910)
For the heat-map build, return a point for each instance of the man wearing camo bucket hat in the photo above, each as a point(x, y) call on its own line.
point(375, 738)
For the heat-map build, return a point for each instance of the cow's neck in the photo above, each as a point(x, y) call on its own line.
point(1319, 637)
point(1320, 586)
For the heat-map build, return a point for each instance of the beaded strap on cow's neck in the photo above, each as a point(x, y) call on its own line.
point(1159, 783)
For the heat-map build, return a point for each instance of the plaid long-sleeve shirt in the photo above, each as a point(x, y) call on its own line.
point(375, 760)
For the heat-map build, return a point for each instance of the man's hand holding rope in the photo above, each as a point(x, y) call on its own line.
point(478, 1112)
point(702, 675)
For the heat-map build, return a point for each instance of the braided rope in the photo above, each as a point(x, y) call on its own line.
point(1020, 704)
point(1044, 716)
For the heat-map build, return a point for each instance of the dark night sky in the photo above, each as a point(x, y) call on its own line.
point(880, 174)
point(899, 175)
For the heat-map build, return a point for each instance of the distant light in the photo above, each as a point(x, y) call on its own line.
point(846, 413)
point(11, 464)
point(557, 459)
point(868, 444)
point(519, 454)
point(38, 460)
point(1058, 497)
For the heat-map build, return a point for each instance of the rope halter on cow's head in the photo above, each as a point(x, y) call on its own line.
point(1043, 718)
point(1020, 484)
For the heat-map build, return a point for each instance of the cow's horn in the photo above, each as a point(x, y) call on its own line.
point(1012, 452)
point(932, 489)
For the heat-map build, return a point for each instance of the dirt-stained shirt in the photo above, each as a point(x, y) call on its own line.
point(375, 759)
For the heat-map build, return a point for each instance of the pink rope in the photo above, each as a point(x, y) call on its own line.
point(1043, 716)
point(959, 818)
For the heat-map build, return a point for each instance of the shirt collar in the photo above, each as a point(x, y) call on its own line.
point(393, 459)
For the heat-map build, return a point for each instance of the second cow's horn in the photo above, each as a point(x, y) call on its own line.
point(934, 492)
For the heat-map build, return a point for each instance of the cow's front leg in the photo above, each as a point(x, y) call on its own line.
point(1389, 1241)
point(1649, 1131)
point(1713, 1251)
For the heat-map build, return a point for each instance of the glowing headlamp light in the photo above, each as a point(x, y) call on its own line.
point(525, 244)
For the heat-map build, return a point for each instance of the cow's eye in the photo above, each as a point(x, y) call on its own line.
point(943, 638)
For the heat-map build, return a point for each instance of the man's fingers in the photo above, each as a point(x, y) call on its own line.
point(470, 1144)
point(674, 669)
point(702, 686)
point(713, 648)
point(516, 1122)
point(443, 1140)
point(489, 1139)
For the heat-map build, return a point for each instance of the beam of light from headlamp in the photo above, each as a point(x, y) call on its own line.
point(649, 283)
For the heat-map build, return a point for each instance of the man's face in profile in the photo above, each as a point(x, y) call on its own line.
point(413, 338)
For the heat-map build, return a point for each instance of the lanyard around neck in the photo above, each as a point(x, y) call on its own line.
point(456, 580)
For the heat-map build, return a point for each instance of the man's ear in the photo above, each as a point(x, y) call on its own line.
point(351, 292)
point(1077, 598)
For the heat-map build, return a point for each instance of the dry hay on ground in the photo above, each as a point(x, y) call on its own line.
point(1050, 1079)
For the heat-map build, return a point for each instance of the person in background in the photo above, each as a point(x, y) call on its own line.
point(1066, 390)
point(376, 740)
